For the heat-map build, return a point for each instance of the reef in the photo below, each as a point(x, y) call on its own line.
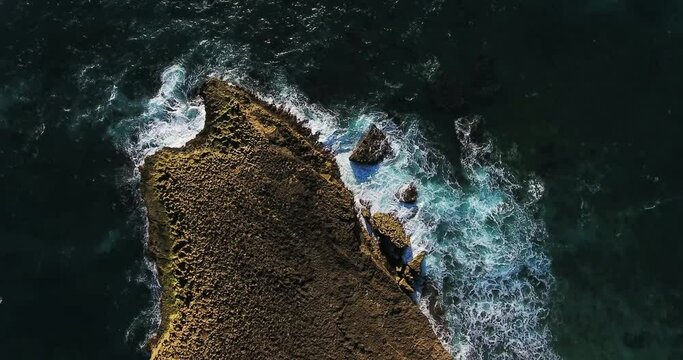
point(260, 252)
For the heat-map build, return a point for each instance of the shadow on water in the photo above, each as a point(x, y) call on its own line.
point(364, 172)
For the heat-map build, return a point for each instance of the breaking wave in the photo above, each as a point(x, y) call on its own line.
point(171, 119)
point(484, 242)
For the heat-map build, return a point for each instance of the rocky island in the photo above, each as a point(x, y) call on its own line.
point(261, 254)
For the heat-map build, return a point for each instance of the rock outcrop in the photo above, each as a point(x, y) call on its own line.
point(372, 148)
point(387, 243)
point(259, 251)
point(390, 228)
point(408, 194)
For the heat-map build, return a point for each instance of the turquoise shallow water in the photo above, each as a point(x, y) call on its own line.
point(553, 225)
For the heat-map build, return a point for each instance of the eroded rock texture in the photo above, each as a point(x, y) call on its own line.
point(372, 148)
point(258, 248)
point(408, 194)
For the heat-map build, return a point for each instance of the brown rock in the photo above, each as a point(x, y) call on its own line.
point(259, 249)
point(408, 194)
point(372, 148)
point(415, 265)
point(386, 225)
point(406, 286)
point(365, 209)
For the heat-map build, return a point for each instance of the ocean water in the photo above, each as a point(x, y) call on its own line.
point(542, 136)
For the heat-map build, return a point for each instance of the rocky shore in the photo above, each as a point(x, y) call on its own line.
point(260, 251)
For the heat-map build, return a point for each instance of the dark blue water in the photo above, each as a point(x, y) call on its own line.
point(576, 193)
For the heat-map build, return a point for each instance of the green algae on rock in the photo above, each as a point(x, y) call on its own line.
point(259, 250)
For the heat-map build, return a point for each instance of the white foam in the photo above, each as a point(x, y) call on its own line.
point(170, 119)
point(485, 258)
point(494, 281)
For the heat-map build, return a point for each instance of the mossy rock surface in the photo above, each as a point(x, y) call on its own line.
point(259, 249)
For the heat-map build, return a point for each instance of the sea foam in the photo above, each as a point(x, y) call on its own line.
point(484, 243)
point(171, 118)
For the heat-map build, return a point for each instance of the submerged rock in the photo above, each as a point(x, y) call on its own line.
point(408, 194)
point(372, 148)
point(256, 243)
